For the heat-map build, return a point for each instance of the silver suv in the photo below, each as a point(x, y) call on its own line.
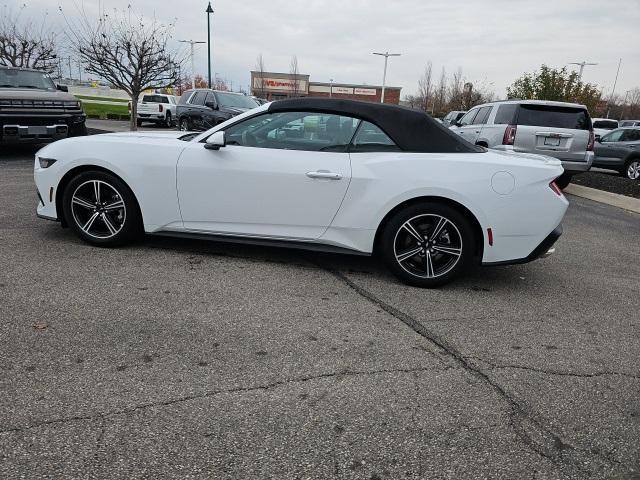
point(556, 129)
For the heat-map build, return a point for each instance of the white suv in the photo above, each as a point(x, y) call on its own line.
point(157, 108)
point(556, 129)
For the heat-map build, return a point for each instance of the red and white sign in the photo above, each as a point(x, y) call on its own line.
point(280, 84)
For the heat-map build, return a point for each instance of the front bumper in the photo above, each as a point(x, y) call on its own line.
point(543, 250)
point(31, 128)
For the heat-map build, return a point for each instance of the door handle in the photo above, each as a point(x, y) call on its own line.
point(324, 174)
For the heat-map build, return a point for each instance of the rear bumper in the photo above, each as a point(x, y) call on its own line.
point(543, 250)
point(583, 166)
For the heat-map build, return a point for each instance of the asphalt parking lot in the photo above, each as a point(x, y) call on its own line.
point(184, 359)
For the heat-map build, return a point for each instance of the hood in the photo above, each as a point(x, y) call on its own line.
point(33, 94)
point(163, 135)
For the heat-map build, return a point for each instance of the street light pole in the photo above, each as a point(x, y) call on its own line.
point(386, 56)
point(209, 11)
point(330, 87)
point(193, 65)
point(582, 65)
point(613, 91)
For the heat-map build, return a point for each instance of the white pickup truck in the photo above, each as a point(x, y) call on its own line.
point(157, 108)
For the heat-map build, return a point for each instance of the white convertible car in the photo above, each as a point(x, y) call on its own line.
point(312, 173)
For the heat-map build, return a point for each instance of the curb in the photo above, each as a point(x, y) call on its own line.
point(621, 201)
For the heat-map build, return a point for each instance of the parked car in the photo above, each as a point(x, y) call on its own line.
point(321, 174)
point(157, 108)
point(33, 109)
point(202, 108)
point(452, 117)
point(629, 123)
point(620, 150)
point(556, 129)
point(602, 126)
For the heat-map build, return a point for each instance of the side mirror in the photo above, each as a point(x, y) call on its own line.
point(215, 141)
point(62, 88)
point(457, 124)
point(211, 105)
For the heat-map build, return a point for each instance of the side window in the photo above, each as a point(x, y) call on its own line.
point(506, 114)
point(612, 137)
point(630, 136)
point(198, 98)
point(482, 116)
point(469, 117)
point(313, 132)
point(371, 138)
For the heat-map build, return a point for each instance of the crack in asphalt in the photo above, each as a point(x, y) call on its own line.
point(547, 443)
point(496, 366)
point(187, 398)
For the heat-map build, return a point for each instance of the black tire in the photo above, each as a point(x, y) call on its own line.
point(631, 169)
point(456, 235)
point(564, 180)
point(110, 226)
point(138, 122)
point(168, 121)
point(78, 130)
point(184, 124)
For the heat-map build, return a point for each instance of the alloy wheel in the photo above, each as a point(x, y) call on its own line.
point(428, 246)
point(633, 170)
point(98, 209)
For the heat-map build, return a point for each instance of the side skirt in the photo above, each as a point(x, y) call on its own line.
point(265, 242)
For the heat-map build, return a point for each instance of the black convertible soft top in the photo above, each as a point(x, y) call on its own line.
point(411, 130)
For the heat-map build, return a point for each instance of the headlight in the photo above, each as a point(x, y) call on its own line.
point(46, 162)
point(74, 104)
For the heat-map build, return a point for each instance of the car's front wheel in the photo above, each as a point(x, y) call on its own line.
point(427, 244)
point(169, 120)
point(184, 124)
point(101, 209)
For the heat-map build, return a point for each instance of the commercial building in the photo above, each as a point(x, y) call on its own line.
point(276, 86)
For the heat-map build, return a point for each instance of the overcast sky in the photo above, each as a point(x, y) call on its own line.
point(493, 41)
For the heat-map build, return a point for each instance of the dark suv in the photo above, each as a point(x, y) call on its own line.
point(33, 109)
point(201, 109)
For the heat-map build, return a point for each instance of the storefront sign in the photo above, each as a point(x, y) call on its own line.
point(280, 84)
point(366, 91)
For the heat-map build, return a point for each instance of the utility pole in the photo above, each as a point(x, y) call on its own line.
point(193, 67)
point(624, 104)
point(582, 65)
point(209, 11)
point(613, 91)
point(330, 87)
point(386, 56)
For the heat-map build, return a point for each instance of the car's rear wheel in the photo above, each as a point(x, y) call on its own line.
point(101, 209)
point(427, 244)
point(564, 180)
point(632, 169)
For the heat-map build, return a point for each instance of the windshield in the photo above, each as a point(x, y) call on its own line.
point(605, 124)
point(235, 100)
point(10, 78)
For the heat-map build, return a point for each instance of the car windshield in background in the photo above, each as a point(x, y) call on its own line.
point(155, 99)
point(10, 78)
point(605, 124)
point(235, 100)
point(552, 116)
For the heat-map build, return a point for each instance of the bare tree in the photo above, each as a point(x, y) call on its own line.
point(26, 44)
point(295, 75)
point(127, 50)
point(425, 88)
point(260, 68)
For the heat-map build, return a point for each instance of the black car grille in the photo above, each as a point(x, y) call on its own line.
point(39, 105)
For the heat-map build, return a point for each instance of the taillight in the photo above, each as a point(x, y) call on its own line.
point(509, 135)
point(592, 140)
point(555, 188)
point(160, 107)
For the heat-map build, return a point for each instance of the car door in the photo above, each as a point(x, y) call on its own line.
point(478, 124)
point(280, 175)
point(609, 149)
point(466, 128)
point(196, 108)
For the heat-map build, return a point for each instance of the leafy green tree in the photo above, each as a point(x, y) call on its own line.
point(555, 84)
